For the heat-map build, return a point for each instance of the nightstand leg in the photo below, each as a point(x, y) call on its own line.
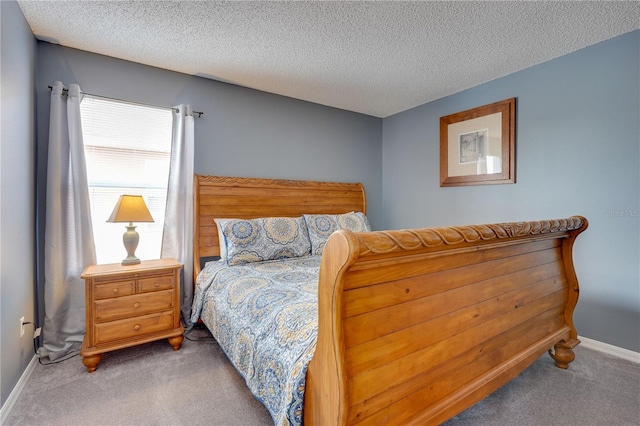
point(175, 342)
point(91, 362)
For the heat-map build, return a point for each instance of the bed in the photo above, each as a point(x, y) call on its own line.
point(397, 327)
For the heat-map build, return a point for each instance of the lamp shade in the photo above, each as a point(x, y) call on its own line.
point(130, 208)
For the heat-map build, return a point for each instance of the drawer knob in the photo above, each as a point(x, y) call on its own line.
point(136, 305)
point(157, 284)
point(115, 290)
point(136, 327)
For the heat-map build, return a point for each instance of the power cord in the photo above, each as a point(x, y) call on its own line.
point(64, 358)
point(36, 334)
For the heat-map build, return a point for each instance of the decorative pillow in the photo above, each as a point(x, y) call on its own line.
point(321, 226)
point(269, 238)
point(354, 221)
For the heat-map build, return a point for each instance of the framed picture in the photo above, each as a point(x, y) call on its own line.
point(477, 146)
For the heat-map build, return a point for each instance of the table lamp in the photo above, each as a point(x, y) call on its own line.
point(130, 208)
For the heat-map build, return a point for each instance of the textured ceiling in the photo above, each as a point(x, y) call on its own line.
point(372, 57)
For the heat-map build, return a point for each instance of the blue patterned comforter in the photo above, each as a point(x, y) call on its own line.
point(264, 316)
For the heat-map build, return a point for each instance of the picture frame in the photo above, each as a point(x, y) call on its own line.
point(477, 146)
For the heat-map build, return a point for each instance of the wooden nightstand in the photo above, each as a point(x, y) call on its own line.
point(127, 305)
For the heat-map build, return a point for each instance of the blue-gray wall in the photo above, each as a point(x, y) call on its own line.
point(243, 132)
point(578, 150)
point(18, 47)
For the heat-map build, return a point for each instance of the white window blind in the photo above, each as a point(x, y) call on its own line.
point(127, 149)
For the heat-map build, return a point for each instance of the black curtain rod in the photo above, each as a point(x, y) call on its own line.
point(130, 102)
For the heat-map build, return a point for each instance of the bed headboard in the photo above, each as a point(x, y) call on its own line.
point(246, 198)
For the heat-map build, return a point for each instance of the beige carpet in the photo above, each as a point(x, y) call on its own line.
point(153, 385)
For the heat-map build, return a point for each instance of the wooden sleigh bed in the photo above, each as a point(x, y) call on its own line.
point(414, 326)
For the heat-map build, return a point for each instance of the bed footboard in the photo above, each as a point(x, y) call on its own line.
point(417, 325)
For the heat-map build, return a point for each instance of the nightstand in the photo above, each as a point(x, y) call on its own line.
point(127, 305)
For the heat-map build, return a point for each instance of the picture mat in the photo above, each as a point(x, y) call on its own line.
point(492, 122)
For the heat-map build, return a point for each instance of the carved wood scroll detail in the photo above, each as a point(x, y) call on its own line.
point(264, 182)
point(382, 242)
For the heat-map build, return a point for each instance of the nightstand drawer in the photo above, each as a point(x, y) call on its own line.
point(115, 289)
point(155, 283)
point(129, 306)
point(127, 328)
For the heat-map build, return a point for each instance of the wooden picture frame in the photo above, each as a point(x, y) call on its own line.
point(477, 146)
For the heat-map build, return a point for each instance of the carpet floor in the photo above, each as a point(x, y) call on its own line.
point(151, 384)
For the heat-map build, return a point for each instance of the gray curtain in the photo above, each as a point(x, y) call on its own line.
point(68, 238)
point(177, 234)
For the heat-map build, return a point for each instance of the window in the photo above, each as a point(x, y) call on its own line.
point(128, 150)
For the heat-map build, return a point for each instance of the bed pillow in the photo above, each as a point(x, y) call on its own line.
point(321, 226)
point(270, 238)
point(221, 239)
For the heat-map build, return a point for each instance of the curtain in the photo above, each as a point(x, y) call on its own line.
point(68, 235)
point(177, 234)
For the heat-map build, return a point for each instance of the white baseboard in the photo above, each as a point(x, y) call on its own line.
point(610, 349)
point(15, 393)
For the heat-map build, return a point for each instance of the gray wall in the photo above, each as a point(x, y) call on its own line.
point(243, 132)
point(578, 143)
point(18, 47)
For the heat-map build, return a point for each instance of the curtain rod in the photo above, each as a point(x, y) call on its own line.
point(65, 90)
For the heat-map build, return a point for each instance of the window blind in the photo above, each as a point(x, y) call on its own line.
point(128, 150)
